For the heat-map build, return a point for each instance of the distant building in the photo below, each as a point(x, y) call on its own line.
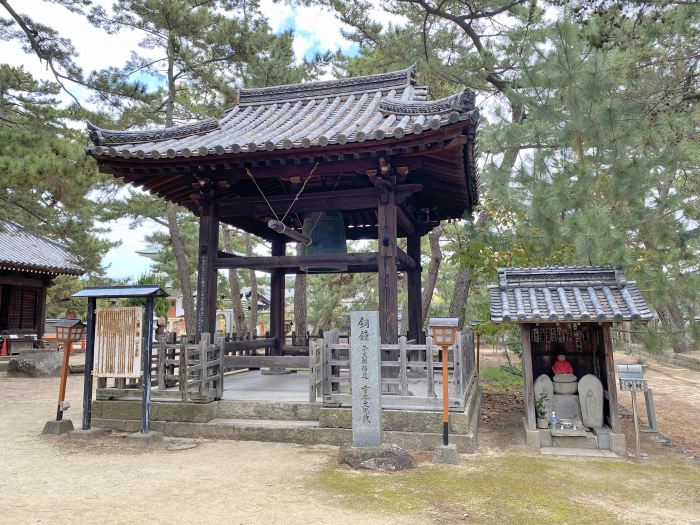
point(28, 265)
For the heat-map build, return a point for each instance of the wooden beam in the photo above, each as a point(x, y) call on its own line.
point(351, 199)
point(610, 377)
point(404, 261)
point(286, 262)
point(206, 271)
point(388, 274)
point(277, 299)
point(528, 385)
point(413, 278)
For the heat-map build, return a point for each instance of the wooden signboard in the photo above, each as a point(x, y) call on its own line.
point(118, 342)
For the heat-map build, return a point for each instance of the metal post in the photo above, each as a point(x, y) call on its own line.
point(636, 425)
point(445, 400)
point(89, 363)
point(64, 378)
point(146, 367)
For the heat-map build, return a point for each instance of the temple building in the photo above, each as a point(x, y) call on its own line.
point(28, 265)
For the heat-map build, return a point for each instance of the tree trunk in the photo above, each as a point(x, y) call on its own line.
point(183, 271)
point(253, 287)
point(672, 319)
point(460, 294)
point(433, 267)
point(300, 308)
point(238, 312)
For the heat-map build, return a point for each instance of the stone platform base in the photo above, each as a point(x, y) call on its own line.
point(602, 439)
point(289, 422)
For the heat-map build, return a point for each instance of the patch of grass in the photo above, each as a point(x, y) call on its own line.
point(517, 489)
point(497, 378)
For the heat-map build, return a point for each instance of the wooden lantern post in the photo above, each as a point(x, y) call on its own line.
point(444, 333)
point(68, 331)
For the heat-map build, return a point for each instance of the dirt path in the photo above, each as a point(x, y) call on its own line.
point(48, 479)
point(676, 394)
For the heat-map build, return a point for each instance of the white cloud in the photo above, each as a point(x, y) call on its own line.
point(123, 261)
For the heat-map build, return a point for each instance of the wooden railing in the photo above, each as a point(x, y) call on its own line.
point(180, 372)
point(411, 373)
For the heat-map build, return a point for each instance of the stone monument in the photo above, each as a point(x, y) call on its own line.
point(544, 384)
point(590, 393)
point(366, 379)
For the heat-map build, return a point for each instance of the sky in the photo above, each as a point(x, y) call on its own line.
point(315, 30)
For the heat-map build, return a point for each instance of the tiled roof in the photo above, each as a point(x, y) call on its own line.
point(569, 294)
point(21, 249)
point(370, 108)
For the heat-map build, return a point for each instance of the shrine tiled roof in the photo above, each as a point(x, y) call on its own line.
point(565, 294)
point(348, 110)
point(23, 250)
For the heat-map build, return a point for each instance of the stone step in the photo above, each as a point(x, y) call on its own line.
point(284, 410)
point(587, 441)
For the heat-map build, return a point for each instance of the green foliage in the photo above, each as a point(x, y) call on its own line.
point(160, 304)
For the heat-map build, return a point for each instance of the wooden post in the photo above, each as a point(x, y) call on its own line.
point(89, 363)
point(183, 368)
point(203, 360)
point(206, 271)
point(277, 301)
point(528, 387)
point(388, 275)
point(162, 354)
point(415, 318)
point(403, 365)
point(67, 344)
point(430, 367)
point(615, 424)
point(478, 352)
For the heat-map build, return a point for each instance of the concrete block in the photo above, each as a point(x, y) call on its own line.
point(114, 409)
point(280, 410)
point(86, 435)
point(545, 438)
point(57, 427)
point(446, 454)
point(532, 438)
point(618, 444)
point(588, 441)
point(150, 438)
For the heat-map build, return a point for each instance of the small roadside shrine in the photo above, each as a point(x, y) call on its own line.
point(565, 315)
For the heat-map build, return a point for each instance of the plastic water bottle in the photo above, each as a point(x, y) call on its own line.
point(554, 418)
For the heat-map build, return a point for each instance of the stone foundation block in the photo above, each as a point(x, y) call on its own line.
point(446, 454)
point(150, 438)
point(57, 427)
point(86, 435)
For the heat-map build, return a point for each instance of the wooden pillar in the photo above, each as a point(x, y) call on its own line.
point(528, 386)
point(388, 274)
point(206, 272)
point(610, 376)
point(277, 300)
point(415, 316)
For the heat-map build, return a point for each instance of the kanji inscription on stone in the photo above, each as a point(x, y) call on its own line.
point(366, 379)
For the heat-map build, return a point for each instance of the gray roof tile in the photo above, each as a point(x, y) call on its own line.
point(374, 107)
point(565, 294)
point(23, 250)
